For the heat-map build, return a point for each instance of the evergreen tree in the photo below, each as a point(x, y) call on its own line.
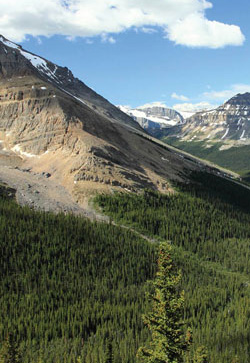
point(9, 353)
point(165, 321)
point(201, 355)
point(109, 352)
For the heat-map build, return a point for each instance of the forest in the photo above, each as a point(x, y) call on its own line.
point(70, 288)
point(208, 224)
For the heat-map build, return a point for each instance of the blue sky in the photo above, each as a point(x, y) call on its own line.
point(169, 55)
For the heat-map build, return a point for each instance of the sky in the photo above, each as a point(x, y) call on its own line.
point(186, 54)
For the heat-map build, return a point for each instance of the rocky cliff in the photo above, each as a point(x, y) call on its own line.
point(55, 125)
point(229, 124)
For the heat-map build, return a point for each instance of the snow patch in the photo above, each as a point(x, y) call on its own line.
point(78, 99)
point(39, 63)
point(242, 135)
point(124, 109)
point(17, 149)
point(223, 137)
point(140, 114)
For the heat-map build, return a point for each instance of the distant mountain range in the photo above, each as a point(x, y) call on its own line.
point(154, 117)
point(229, 123)
point(221, 135)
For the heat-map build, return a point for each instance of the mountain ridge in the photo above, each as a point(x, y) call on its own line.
point(83, 142)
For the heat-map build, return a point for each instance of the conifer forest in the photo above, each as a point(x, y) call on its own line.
point(74, 291)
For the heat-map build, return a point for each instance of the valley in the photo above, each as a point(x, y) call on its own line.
point(220, 135)
point(207, 222)
point(87, 193)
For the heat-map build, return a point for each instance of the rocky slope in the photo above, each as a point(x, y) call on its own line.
point(229, 124)
point(52, 124)
point(154, 117)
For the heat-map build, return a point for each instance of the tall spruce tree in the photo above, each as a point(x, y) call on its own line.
point(165, 321)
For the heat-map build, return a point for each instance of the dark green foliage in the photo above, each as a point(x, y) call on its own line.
point(65, 283)
point(201, 355)
point(9, 352)
point(235, 158)
point(109, 351)
point(208, 224)
point(165, 320)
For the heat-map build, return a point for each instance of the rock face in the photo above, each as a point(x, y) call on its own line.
point(152, 118)
point(53, 123)
point(228, 124)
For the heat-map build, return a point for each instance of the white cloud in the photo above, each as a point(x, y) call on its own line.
point(148, 30)
point(179, 97)
point(188, 109)
point(183, 21)
point(107, 38)
point(89, 41)
point(153, 104)
point(197, 31)
point(224, 95)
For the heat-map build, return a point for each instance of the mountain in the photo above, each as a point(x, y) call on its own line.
point(221, 135)
point(54, 127)
point(154, 117)
point(229, 122)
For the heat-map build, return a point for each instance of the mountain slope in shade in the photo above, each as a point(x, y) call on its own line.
point(52, 123)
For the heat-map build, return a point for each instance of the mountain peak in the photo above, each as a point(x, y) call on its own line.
point(241, 99)
point(55, 125)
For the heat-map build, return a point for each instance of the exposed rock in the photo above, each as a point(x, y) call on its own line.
point(58, 128)
point(228, 124)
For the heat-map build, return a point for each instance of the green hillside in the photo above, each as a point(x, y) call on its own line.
point(68, 286)
point(208, 224)
point(236, 158)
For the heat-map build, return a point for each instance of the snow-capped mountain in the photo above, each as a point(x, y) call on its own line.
point(228, 124)
point(151, 117)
